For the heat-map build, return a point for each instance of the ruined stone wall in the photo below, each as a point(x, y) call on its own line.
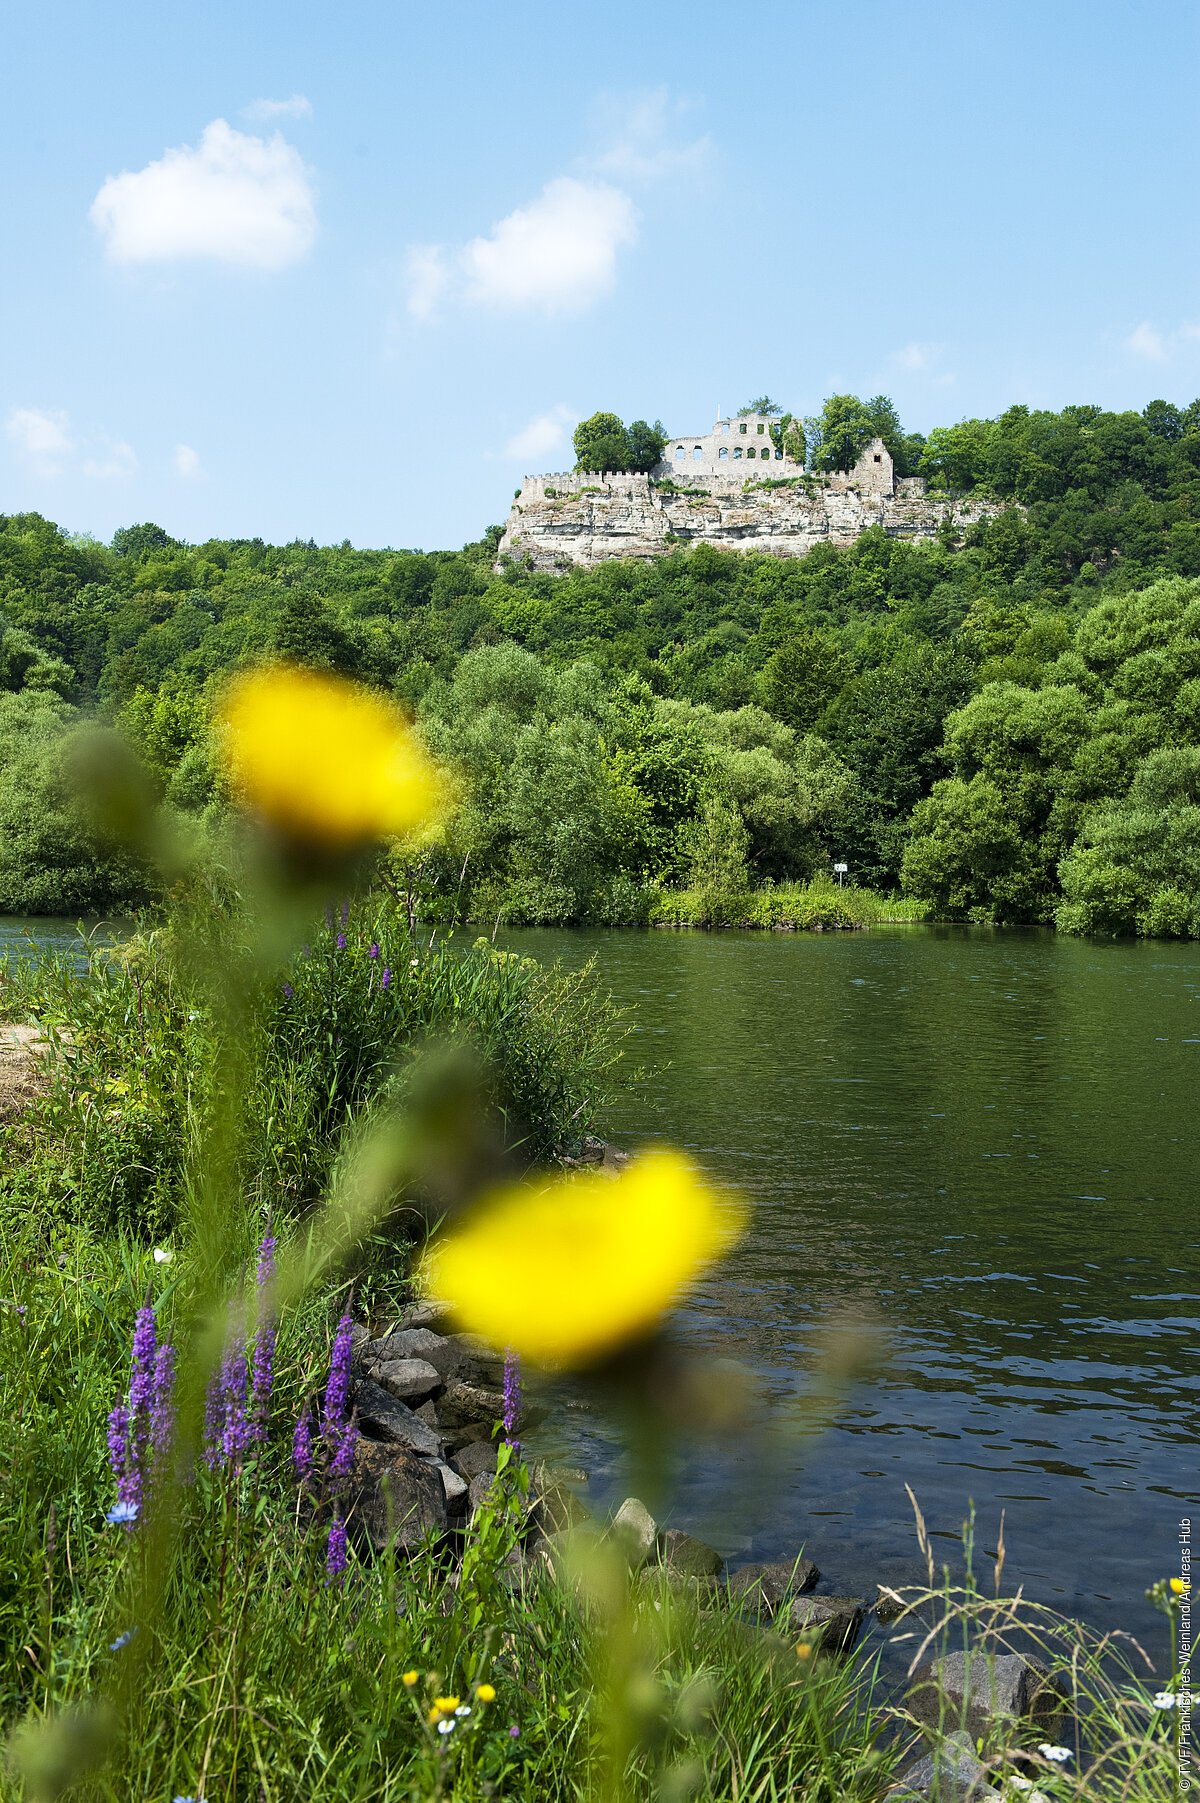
point(565, 520)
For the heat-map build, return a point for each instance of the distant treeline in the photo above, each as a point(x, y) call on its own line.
point(1004, 722)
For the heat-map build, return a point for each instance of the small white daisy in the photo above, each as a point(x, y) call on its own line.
point(445, 1727)
point(1059, 1755)
point(463, 1709)
point(1165, 1699)
point(163, 1255)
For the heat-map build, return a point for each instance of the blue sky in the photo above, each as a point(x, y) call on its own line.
point(292, 270)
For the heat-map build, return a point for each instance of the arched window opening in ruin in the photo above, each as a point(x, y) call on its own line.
point(698, 453)
point(680, 453)
point(743, 428)
point(779, 456)
point(724, 451)
point(724, 425)
point(750, 450)
point(737, 450)
point(761, 430)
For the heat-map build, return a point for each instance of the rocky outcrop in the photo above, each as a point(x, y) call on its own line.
point(558, 522)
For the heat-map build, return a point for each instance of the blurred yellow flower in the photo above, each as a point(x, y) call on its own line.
point(324, 760)
point(803, 1650)
point(565, 1271)
point(486, 1693)
point(1180, 1586)
point(446, 1705)
point(409, 1679)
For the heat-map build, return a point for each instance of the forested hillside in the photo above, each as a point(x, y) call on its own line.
point(1006, 723)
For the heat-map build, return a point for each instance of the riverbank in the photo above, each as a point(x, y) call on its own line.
point(476, 1608)
point(784, 907)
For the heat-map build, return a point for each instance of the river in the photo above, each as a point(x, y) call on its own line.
point(984, 1141)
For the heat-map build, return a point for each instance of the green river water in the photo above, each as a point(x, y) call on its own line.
point(988, 1143)
point(985, 1142)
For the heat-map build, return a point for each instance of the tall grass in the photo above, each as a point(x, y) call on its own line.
point(799, 907)
point(266, 1682)
point(323, 1041)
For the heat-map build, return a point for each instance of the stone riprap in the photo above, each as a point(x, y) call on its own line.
point(560, 522)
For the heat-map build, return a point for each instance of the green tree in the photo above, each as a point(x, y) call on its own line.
point(49, 861)
point(714, 844)
point(601, 443)
point(959, 457)
point(806, 673)
point(645, 444)
point(847, 427)
point(143, 541)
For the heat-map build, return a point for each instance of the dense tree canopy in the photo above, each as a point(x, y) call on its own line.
point(1008, 717)
point(604, 443)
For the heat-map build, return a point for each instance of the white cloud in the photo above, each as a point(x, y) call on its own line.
point(235, 198)
point(643, 139)
point(922, 358)
point(50, 444)
point(186, 462)
point(43, 436)
point(428, 278)
point(111, 459)
point(543, 436)
point(1145, 342)
point(917, 356)
point(265, 112)
point(558, 254)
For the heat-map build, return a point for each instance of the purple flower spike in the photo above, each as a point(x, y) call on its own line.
point(118, 1440)
point(385, 978)
point(341, 942)
point(236, 1430)
point(302, 1452)
point(345, 912)
point(374, 951)
point(162, 1412)
point(335, 1551)
point(337, 1390)
point(342, 1462)
point(213, 1421)
point(141, 1383)
point(288, 992)
point(512, 1398)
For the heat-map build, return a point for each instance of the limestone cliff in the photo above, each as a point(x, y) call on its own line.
point(560, 521)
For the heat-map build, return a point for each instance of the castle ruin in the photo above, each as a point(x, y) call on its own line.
point(733, 488)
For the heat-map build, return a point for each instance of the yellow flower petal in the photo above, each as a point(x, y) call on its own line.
point(486, 1693)
point(408, 1679)
point(325, 760)
point(446, 1705)
point(1180, 1586)
point(566, 1271)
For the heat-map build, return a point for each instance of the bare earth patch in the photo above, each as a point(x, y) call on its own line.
point(24, 1073)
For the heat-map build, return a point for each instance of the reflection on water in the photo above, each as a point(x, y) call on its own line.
point(987, 1142)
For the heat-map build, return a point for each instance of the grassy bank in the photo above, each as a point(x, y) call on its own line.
point(786, 907)
point(245, 1669)
point(207, 1651)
